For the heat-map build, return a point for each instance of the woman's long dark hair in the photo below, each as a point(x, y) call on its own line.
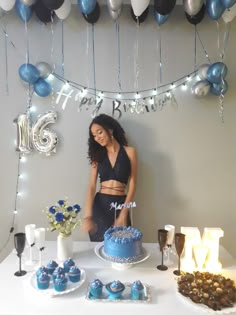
point(95, 150)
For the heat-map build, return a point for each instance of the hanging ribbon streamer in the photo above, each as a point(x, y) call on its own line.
point(204, 49)
point(94, 68)
point(226, 39)
point(136, 59)
point(87, 54)
point(160, 55)
point(195, 48)
point(52, 57)
point(118, 47)
point(62, 50)
point(6, 61)
point(26, 43)
point(218, 38)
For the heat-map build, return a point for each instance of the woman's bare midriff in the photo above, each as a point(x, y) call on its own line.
point(112, 187)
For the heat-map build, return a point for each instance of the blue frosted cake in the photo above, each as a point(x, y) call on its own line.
point(74, 274)
point(96, 288)
point(68, 263)
point(51, 266)
point(43, 281)
point(124, 243)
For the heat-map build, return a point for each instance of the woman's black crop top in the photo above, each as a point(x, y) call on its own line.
point(121, 170)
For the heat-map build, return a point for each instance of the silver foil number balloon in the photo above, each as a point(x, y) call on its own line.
point(115, 14)
point(201, 88)
point(43, 139)
point(23, 134)
point(38, 137)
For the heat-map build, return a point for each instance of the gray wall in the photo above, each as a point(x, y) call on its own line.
point(187, 172)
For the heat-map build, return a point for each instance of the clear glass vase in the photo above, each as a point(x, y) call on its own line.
point(64, 246)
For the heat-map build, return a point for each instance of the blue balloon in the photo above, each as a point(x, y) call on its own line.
point(160, 19)
point(29, 73)
point(216, 72)
point(24, 12)
point(42, 88)
point(228, 3)
point(219, 89)
point(215, 9)
point(86, 6)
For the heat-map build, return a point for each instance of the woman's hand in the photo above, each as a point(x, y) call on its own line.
point(121, 220)
point(88, 225)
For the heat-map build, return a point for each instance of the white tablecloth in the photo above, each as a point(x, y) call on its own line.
point(17, 296)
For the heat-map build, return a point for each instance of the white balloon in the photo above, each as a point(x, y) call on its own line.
point(64, 11)
point(7, 5)
point(139, 6)
point(229, 14)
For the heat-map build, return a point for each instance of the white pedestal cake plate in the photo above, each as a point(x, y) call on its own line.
point(118, 263)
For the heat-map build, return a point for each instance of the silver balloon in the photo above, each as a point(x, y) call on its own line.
point(44, 140)
point(192, 7)
point(44, 69)
point(201, 88)
point(114, 5)
point(202, 71)
point(23, 134)
point(28, 2)
point(115, 14)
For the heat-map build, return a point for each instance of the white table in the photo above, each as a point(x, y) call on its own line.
point(18, 297)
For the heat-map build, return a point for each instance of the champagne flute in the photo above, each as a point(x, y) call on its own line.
point(19, 242)
point(40, 242)
point(179, 245)
point(29, 232)
point(170, 238)
point(162, 239)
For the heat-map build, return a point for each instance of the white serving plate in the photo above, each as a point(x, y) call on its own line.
point(71, 286)
point(125, 297)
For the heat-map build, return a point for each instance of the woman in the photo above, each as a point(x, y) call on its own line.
point(116, 165)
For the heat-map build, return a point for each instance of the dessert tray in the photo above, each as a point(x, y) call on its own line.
point(125, 297)
point(118, 263)
point(71, 286)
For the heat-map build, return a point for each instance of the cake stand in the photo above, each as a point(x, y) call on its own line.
point(118, 263)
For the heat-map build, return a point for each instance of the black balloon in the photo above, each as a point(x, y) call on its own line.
point(141, 18)
point(164, 7)
point(93, 16)
point(42, 12)
point(197, 18)
point(53, 4)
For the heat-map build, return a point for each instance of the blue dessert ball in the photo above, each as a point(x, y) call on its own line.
point(60, 283)
point(96, 288)
point(74, 274)
point(51, 266)
point(43, 281)
point(137, 290)
point(41, 270)
point(67, 264)
point(58, 271)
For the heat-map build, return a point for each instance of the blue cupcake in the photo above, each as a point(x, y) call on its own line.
point(60, 283)
point(96, 288)
point(43, 281)
point(115, 289)
point(51, 266)
point(67, 264)
point(74, 274)
point(41, 270)
point(58, 271)
point(137, 290)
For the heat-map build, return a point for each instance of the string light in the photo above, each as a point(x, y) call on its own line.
point(130, 95)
